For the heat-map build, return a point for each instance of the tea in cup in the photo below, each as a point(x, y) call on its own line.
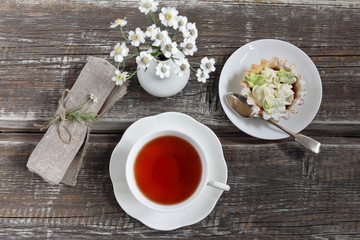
point(167, 170)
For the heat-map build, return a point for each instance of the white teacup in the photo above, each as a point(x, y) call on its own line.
point(204, 182)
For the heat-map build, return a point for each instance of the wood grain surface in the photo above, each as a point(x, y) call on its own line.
point(278, 190)
point(45, 44)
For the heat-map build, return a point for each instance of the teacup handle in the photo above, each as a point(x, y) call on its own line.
point(219, 185)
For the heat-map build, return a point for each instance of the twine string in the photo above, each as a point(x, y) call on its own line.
point(62, 116)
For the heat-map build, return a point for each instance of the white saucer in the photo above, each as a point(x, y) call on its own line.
point(217, 171)
point(252, 53)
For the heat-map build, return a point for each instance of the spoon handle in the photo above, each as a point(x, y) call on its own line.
point(307, 142)
point(219, 185)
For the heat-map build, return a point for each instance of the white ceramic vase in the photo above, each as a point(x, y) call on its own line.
point(162, 87)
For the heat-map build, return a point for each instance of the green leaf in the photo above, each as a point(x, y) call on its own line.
point(272, 105)
point(155, 54)
point(286, 77)
point(254, 79)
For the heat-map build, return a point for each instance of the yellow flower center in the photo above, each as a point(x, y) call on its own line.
point(120, 77)
point(168, 47)
point(189, 46)
point(202, 75)
point(136, 37)
point(181, 23)
point(168, 16)
point(208, 65)
point(118, 50)
point(159, 36)
point(118, 20)
point(147, 4)
point(149, 29)
point(163, 69)
point(145, 60)
point(192, 32)
point(183, 67)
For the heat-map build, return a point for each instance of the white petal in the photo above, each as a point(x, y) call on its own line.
point(123, 23)
point(118, 58)
point(117, 45)
point(125, 52)
point(135, 43)
point(114, 25)
point(167, 54)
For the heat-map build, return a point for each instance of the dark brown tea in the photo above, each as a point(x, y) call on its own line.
point(168, 170)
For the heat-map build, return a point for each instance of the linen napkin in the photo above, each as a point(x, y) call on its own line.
point(57, 161)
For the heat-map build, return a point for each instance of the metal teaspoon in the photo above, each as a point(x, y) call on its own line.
point(239, 105)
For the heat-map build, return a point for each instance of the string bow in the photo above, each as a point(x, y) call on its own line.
point(62, 116)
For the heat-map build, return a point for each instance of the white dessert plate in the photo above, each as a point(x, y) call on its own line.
point(252, 53)
point(191, 214)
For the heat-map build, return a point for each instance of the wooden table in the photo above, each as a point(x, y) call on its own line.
point(278, 190)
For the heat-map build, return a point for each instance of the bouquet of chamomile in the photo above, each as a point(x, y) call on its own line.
point(169, 36)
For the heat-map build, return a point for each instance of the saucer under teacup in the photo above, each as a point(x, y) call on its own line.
point(193, 213)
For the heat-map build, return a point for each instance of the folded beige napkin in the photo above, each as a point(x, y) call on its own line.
point(57, 161)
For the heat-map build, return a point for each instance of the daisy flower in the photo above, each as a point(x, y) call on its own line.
point(163, 70)
point(188, 46)
point(119, 52)
point(136, 37)
point(159, 36)
point(93, 98)
point(120, 77)
point(190, 31)
point(168, 47)
point(202, 75)
point(150, 32)
point(118, 22)
point(168, 17)
point(143, 60)
point(207, 64)
point(148, 5)
point(183, 66)
point(182, 21)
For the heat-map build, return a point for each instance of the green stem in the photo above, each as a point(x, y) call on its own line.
point(75, 114)
point(123, 35)
point(173, 58)
point(173, 36)
point(155, 47)
point(152, 17)
point(132, 74)
point(156, 54)
point(131, 56)
point(195, 63)
point(78, 108)
point(49, 120)
point(149, 44)
point(192, 68)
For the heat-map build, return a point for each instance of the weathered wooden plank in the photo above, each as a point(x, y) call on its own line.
point(44, 45)
point(224, 129)
point(277, 191)
point(190, 3)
